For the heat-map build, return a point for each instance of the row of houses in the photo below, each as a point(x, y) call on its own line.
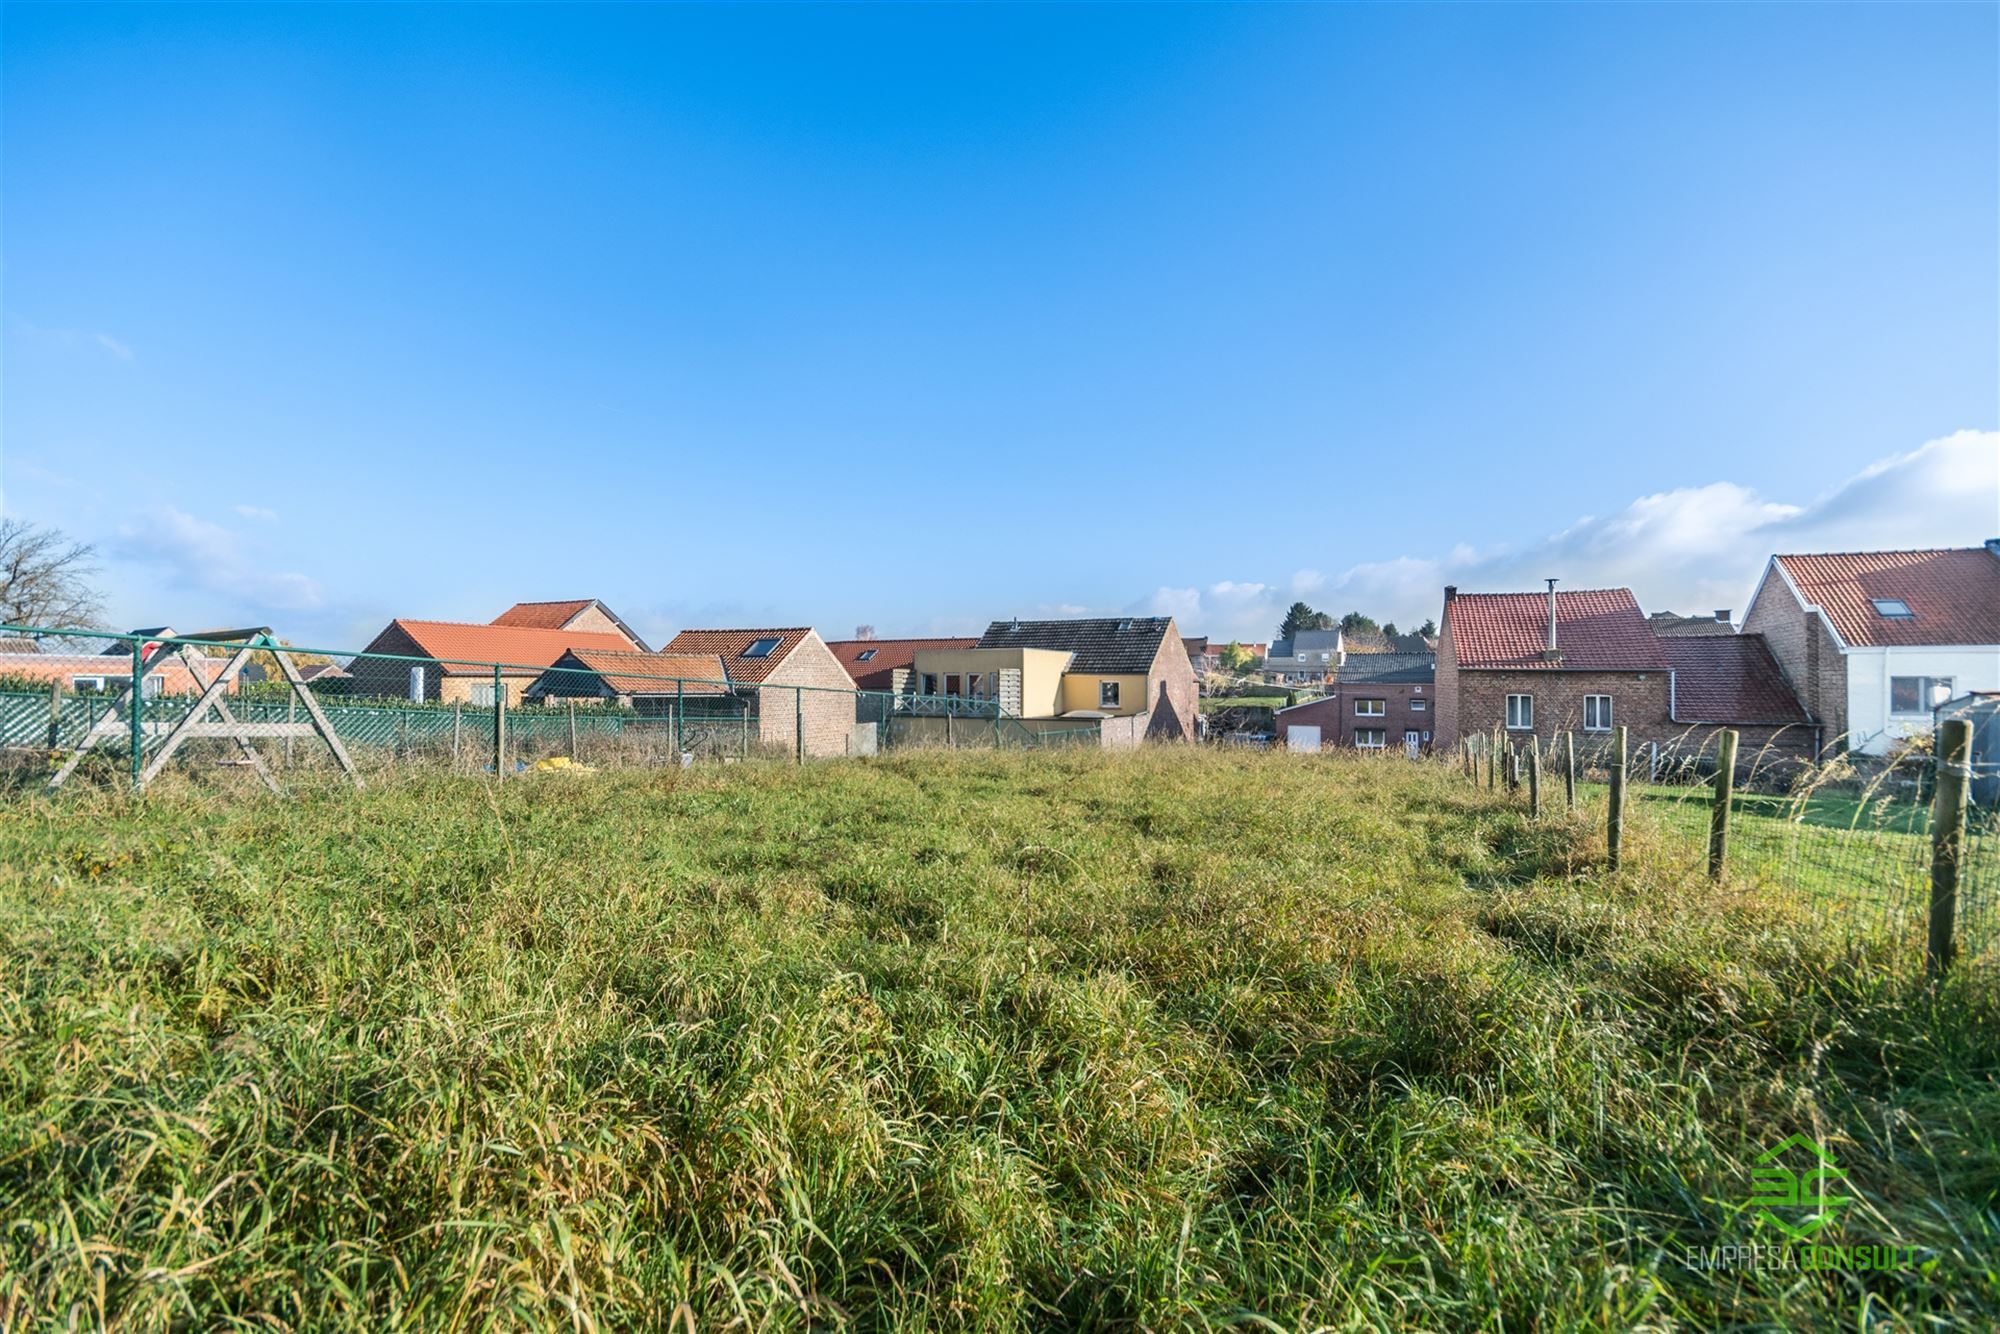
point(1851, 652)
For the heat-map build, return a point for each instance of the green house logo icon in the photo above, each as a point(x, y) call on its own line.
point(1792, 1185)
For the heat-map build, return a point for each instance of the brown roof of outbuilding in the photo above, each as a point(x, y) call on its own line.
point(511, 645)
point(730, 644)
point(1110, 645)
point(1953, 594)
point(1729, 679)
point(878, 673)
point(543, 615)
point(1596, 629)
point(650, 673)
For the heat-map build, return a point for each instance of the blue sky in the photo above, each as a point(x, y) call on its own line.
point(922, 316)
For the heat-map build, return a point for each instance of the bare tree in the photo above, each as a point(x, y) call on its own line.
point(864, 632)
point(46, 579)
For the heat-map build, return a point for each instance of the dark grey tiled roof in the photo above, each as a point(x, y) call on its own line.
point(1389, 667)
point(1124, 645)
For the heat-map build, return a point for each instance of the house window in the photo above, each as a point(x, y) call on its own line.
point(867, 654)
point(89, 685)
point(1520, 713)
point(1597, 713)
point(761, 648)
point(154, 686)
point(1918, 694)
point(480, 694)
point(930, 683)
point(1894, 609)
point(1417, 706)
point(1370, 708)
point(1107, 694)
point(1371, 738)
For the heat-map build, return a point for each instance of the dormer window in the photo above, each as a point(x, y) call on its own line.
point(1892, 609)
point(761, 648)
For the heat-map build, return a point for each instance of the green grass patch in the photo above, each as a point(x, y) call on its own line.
point(1179, 1038)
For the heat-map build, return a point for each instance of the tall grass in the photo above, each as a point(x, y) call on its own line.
point(946, 1041)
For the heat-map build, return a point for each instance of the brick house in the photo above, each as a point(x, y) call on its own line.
point(574, 614)
point(164, 672)
point(1585, 661)
point(455, 659)
point(1872, 641)
point(1380, 701)
point(1309, 657)
point(771, 659)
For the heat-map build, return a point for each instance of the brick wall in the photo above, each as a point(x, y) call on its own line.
point(1638, 701)
point(1807, 654)
point(593, 619)
point(1335, 716)
point(1447, 728)
point(1173, 692)
point(828, 713)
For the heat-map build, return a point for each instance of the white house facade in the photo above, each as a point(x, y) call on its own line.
point(1873, 641)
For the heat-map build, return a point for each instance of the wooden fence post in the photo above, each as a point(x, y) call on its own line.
point(1725, 791)
point(1493, 761)
point(572, 730)
point(1569, 769)
point(457, 721)
point(1954, 767)
point(1614, 829)
point(799, 724)
point(1534, 781)
point(55, 714)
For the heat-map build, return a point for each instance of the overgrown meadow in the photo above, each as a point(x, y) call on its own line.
point(1160, 1040)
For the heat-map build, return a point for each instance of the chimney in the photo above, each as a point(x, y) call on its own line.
point(1550, 653)
point(1451, 590)
point(1993, 546)
point(1722, 615)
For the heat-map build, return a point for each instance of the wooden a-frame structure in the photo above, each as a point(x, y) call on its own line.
point(196, 725)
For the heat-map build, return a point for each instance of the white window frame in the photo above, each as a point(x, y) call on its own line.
point(1926, 687)
point(480, 694)
point(1605, 713)
point(1523, 719)
point(1107, 694)
point(1381, 709)
point(1361, 741)
point(96, 683)
point(1417, 706)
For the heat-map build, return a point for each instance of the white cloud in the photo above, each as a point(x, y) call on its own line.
point(197, 555)
point(257, 512)
point(1692, 549)
point(114, 347)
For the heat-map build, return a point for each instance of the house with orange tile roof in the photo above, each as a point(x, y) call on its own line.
point(454, 661)
point(1586, 661)
point(573, 614)
point(884, 664)
point(1872, 641)
point(803, 699)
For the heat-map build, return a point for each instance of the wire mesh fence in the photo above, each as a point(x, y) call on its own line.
point(105, 705)
point(1855, 837)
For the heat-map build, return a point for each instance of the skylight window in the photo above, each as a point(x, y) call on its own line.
point(866, 654)
point(761, 648)
point(1894, 609)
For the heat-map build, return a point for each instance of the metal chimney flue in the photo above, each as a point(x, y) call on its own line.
point(1550, 653)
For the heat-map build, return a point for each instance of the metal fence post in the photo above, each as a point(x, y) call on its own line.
point(1954, 767)
point(1614, 828)
point(799, 724)
point(1569, 769)
point(680, 718)
point(55, 713)
point(138, 709)
point(499, 725)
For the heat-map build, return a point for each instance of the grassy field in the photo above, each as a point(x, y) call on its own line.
point(1169, 1039)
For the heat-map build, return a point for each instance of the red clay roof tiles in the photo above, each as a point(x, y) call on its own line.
point(1596, 629)
point(730, 644)
point(511, 645)
point(652, 673)
point(1953, 594)
point(1729, 679)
